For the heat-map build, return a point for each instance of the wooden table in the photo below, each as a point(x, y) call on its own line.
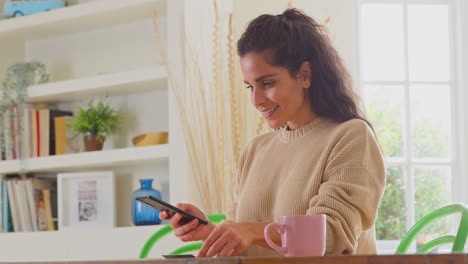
point(381, 259)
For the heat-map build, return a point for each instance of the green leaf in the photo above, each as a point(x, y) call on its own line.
point(99, 119)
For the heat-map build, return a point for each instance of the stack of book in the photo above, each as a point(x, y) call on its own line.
point(28, 204)
point(40, 132)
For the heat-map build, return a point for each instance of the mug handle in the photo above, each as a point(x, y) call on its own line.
point(278, 227)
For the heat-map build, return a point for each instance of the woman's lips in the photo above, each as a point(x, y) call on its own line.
point(270, 112)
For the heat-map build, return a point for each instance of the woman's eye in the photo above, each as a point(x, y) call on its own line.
point(268, 84)
point(250, 87)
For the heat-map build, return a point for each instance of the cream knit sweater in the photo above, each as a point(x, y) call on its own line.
point(325, 167)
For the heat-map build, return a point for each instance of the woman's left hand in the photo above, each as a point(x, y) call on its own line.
point(226, 240)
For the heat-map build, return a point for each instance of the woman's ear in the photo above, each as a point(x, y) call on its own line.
point(305, 73)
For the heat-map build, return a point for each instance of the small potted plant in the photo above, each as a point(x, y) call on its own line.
point(13, 93)
point(96, 122)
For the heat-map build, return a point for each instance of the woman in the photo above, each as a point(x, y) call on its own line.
point(323, 157)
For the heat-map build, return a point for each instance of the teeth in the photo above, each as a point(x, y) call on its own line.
point(271, 111)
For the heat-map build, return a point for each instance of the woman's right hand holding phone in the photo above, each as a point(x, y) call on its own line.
point(191, 231)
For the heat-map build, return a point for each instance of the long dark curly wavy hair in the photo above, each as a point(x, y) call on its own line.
point(292, 38)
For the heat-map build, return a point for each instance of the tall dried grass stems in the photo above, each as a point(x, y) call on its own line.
point(216, 114)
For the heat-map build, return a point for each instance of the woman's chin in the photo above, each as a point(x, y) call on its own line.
point(274, 123)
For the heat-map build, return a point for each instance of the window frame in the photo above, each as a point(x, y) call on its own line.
point(458, 156)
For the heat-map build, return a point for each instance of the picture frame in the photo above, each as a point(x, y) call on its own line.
point(86, 200)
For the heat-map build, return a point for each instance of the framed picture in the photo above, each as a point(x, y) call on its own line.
point(86, 200)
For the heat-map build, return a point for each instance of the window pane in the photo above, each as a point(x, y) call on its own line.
point(432, 192)
point(384, 107)
point(382, 42)
point(391, 219)
point(428, 43)
point(430, 110)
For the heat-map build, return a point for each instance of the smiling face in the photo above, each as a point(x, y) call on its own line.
point(279, 96)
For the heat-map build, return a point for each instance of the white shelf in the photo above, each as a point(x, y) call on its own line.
point(9, 166)
point(89, 160)
point(77, 18)
point(113, 83)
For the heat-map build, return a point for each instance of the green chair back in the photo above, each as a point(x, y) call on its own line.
point(458, 240)
point(165, 230)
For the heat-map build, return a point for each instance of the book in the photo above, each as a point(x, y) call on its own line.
point(26, 142)
point(16, 132)
point(13, 206)
point(7, 134)
point(2, 142)
point(44, 130)
point(6, 219)
point(44, 136)
point(22, 205)
point(54, 207)
point(61, 135)
point(38, 185)
point(35, 133)
point(31, 203)
point(66, 140)
point(48, 209)
point(52, 115)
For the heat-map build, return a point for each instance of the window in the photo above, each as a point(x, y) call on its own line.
point(407, 79)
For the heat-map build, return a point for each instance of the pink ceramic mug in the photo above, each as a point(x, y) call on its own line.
point(301, 235)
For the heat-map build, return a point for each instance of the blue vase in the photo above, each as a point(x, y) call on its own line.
point(142, 214)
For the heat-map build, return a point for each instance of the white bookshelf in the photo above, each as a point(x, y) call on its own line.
point(89, 160)
point(119, 83)
point(91, 50)
point(82, 17)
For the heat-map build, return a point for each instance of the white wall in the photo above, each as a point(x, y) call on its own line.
point(341, 27)
point(462, 46)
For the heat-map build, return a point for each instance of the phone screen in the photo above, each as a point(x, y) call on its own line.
point(171, 210)
point(178, 256)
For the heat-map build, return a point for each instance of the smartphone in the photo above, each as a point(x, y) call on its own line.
point(170, 209)
point(178, 256)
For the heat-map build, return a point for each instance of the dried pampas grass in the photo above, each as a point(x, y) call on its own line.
point(216, 114)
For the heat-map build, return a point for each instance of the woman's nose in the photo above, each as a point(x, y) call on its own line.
point(257, 97)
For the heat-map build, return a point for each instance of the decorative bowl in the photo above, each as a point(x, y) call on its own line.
point(152, 138)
